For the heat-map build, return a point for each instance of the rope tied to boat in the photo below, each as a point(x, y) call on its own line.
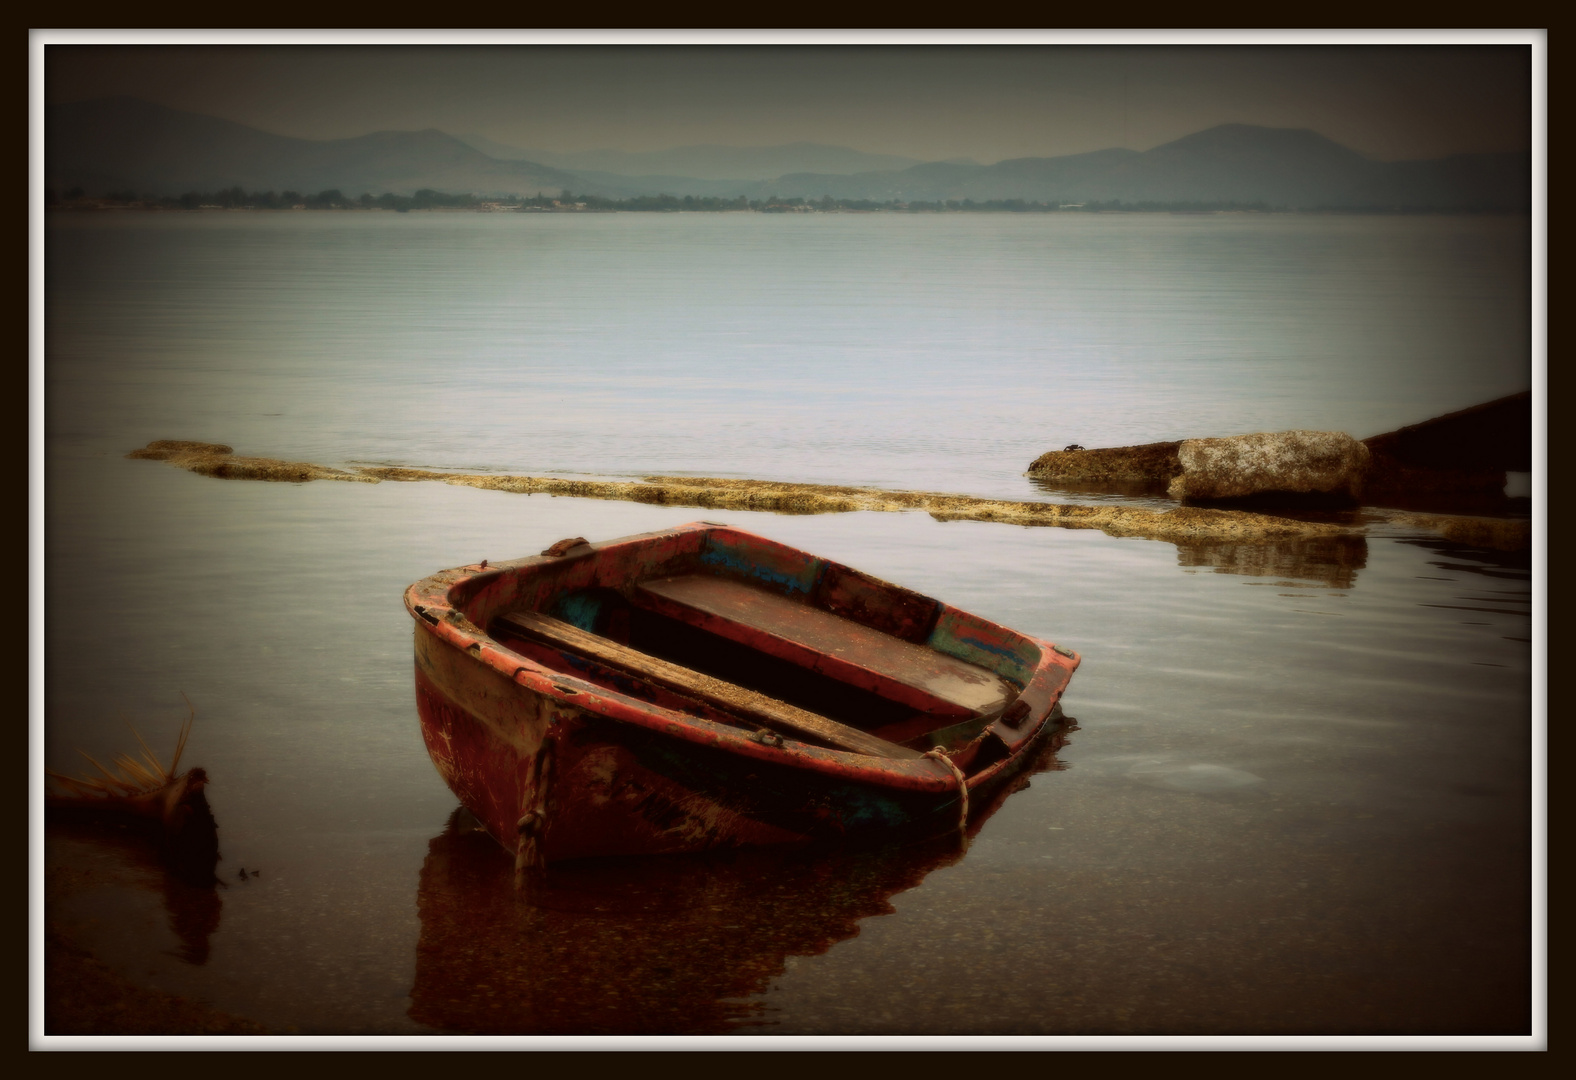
point(940, 755)
point(533, 818)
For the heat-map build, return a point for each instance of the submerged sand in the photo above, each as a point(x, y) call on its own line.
point(1181, 525)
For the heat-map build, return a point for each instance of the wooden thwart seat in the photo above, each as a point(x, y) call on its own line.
point(738, 700)
point(897, 670)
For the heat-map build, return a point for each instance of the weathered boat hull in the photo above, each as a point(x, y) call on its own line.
point(561, 759)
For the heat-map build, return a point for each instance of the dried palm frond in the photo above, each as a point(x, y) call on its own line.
point(145, 788)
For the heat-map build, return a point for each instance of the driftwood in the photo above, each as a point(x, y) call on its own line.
point(143, 789)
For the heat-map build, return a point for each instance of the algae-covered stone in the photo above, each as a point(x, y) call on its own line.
point(218, 460)
point(1291, 462)
point(170, 449)
point(1151, 465)
point(1184, 525)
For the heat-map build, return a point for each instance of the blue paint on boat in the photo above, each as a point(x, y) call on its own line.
point(749, 564)
point(985, 646)
point(579, 609)
point(1005, 660)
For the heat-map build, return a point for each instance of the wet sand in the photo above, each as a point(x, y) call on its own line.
point(82, 994)
point(1182, 525)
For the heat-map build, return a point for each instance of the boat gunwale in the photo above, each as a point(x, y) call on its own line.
point(436, 605)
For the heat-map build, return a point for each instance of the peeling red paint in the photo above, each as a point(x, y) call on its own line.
point(637, 770)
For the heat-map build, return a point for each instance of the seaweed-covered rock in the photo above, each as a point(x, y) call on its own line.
point(170, 449)
point(219, 460)
point(1329, 463)
point(1125, 469)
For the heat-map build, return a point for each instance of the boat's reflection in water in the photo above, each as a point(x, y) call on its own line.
point(659, 945)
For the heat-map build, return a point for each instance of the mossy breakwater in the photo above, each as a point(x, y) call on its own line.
point(1182, 525)
point(1454, 464)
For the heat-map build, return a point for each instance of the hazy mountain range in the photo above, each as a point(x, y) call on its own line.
point(733, 163)
point(125, 144)
point(119, 144)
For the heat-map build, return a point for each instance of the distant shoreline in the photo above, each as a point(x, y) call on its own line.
point(566, 202)
point(905, 209)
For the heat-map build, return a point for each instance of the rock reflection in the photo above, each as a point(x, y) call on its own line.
point(1472, 559)
point(661, 945)
point(1149, 493)
point(1331, 561)
point(179, 864)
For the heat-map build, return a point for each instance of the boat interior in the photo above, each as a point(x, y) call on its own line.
point(733, 652)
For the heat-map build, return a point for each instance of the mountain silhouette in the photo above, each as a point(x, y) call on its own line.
point(120, 144)
point(1232, 163)
point(129, 144)
point(702, 162)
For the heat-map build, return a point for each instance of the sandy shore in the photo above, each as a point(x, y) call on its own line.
point(82, 994)
point(1182, 525)
point(85, 997)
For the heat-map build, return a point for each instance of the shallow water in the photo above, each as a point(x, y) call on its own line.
point(939, 353)
point(1297, 799)
point(1284, 803)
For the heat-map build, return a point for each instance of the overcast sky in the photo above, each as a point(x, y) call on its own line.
point(928, 101)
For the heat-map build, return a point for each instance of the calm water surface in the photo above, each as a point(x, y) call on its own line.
point(1296, 799)
point(931, 352)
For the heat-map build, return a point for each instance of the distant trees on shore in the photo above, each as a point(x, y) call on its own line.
point(235, 198)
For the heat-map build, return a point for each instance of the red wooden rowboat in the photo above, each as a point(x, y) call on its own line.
point(704, 687)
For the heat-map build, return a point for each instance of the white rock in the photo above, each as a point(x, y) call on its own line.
point(1300, 462)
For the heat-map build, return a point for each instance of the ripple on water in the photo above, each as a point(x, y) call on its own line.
point(1200, 778)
